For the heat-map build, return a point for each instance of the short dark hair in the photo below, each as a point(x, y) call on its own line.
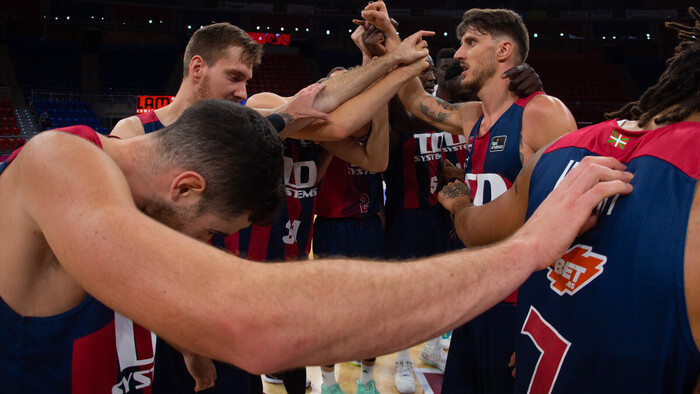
point(209, 41)
point(236, 150)
point(497, 22)
point(678, 86)
point(445, 53)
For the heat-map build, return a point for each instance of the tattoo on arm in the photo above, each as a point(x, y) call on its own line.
point(455, 190)
point(286, 117)
point(432, 115)
point(520, 150)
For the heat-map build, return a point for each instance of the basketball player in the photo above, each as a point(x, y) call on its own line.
point(622, 303)
point(624, 298)
point(501, 138)
point(218, 62)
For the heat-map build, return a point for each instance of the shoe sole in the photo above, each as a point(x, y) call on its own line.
point(431, 363)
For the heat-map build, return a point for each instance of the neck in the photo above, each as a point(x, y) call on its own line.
point(134, 157)
point(442, 93)
point(183, 100)
point(495, 97)
point(652, 125)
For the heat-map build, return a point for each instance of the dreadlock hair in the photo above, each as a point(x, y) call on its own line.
point(678, 86)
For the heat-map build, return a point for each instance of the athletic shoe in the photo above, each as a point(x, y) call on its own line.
point(273, 378)
point(334, 389)
point(367, 388)
point(433, 356)
point(403, 377)
point(355, 363)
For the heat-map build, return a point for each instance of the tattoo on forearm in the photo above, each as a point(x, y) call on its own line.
point(432, 115)
point(455, 190)
point(286, 117)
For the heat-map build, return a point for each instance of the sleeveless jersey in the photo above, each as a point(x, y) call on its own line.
point(349, 191)
point(289, 237)
point(412, 174)
point(493, 160)
point(88, 349)
point(454, 149)
point(610, 316)
point(150, 122)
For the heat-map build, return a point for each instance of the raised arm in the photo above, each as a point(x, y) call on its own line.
point(211, 303)
point(373, 155)
point(343, 87)
point(359, 110)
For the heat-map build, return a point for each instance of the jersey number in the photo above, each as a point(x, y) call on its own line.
point(552, 347)
point(293, 227)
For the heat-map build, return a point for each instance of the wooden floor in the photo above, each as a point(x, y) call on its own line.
point(347, 375)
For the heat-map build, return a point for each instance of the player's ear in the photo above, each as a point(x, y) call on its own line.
point(505, 50)
point(196, 66)
point(187, 187)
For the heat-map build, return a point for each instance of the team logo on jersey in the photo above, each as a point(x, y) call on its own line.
point(617, 140)
point(498, 143)
point(575, 269)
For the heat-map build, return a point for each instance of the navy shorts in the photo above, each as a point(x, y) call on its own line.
point(417, 232)
point(479, 354)
point(353, 237)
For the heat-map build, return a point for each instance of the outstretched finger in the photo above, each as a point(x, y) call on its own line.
point(513, 71)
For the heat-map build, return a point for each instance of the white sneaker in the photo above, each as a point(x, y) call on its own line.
point(403, 377)
point(434, 356)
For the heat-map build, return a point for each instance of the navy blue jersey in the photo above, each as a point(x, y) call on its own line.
point(289, 237)
point(88, 349)
point(610, 316)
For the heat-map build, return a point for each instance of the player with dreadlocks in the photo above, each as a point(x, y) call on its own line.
point(676, 95)
point(620, 311)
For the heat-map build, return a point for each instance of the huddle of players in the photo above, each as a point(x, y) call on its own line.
point(565, 311)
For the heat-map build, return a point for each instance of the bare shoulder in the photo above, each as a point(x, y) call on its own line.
point(128, 127)
point(265, 100)
point(545, 118)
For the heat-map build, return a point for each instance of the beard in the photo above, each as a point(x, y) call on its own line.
point(166, 214)
point(481, 74)
point(204, 90)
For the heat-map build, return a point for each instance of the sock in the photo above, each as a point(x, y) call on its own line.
point(367, 373)
point(403, 355)
point(328, 378)
point(433, 344)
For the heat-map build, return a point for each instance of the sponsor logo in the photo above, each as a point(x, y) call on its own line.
point(575, 269)
point(498, 143)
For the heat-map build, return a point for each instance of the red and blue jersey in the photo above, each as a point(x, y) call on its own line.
point(289, 237)
point(414, 167)
point(150, 122)
point(88, 349)
point(493, 159)
point(454, 149)
point(349, 191)
point(610, 316)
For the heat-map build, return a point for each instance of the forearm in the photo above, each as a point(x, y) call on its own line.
point(474, 281)
point(343, 87)
point(356, 112)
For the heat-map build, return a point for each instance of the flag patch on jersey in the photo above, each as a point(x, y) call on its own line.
point(498, 143)
point(617, 140)
point(575, 269)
